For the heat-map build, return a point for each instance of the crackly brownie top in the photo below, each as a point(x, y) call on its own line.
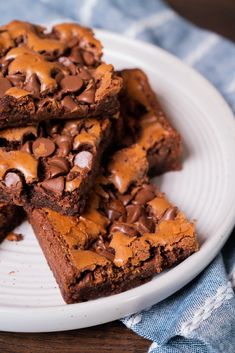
point(144, 118)
point(121, 230)
point(56, 157)
point(64, 63)
point(126, 217)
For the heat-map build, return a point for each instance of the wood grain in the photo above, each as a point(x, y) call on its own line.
point(219, 16)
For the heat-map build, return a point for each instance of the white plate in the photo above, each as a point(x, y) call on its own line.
point(29, 297)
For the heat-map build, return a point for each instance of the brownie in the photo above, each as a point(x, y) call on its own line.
point(146, 123)
point(49, 74)
point(128, 232)
point(10, 217)
point(54, 164)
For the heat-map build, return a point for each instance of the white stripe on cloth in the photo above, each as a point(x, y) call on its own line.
point(152, 21)
point(202, 49)
point(133, 320)
point(86, 11)
point(223, 293)
point(153, 345)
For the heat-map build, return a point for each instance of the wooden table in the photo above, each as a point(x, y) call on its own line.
point(217, 15)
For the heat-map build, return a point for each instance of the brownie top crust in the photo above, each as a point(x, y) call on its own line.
point(60, 69)
point(117, 231)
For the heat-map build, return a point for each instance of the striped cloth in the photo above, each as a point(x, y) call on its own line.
point(201, 317)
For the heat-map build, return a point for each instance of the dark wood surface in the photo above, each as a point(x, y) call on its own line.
point(218, 15)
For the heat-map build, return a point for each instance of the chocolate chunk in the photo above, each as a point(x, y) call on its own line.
point(27, 147)
point(88, 58)
point(88, 96)
point(71, 83)
point(144, 195)
point(55, 185)
point(32, 85)
point(69, 104)
point(83, 159)
point(12, 180)
point(5, 84)
point(170, 214)
point(43, 147)
point(133, 213)
point(124, 228)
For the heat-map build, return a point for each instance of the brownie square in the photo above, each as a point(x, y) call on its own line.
point(146, 123)
point(52, 165)
point(128, 232)
point(53, 74)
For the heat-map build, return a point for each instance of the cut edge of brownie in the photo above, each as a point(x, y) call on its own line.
point(10, 217)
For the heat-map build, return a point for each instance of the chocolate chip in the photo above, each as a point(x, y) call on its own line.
point(113, 215)
point(43, 147)
point(124, 228)
point(59, 77)
point(32, 85)
point(84, 74)
point(88, 96)
point(125, 198)
point(71, 83)
point(5, 84)
point(65, 145)
point(63, 138)
point(12, 180)
point(170, 214)
point(17, 80)
point(27, 147)
point(69, 64)
point(60, 162)
point(64, 149)
point(115, 210)
point(147, 193)
point(55, 185)
point(56, 166)
point(145, 224)
point(103, 249)
point(75, 55)
point(83, 159)
point(133, 213)
point(69, 104)
point(71, 127)
point(88, 58)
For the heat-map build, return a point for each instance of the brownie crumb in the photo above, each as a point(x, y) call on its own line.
point(12, 236)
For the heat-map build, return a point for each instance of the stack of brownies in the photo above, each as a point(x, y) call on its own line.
point(78, 143)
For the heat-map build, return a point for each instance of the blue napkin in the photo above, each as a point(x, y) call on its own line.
point(200, 317)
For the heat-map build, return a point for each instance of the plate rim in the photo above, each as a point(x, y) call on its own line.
point(203, 257)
